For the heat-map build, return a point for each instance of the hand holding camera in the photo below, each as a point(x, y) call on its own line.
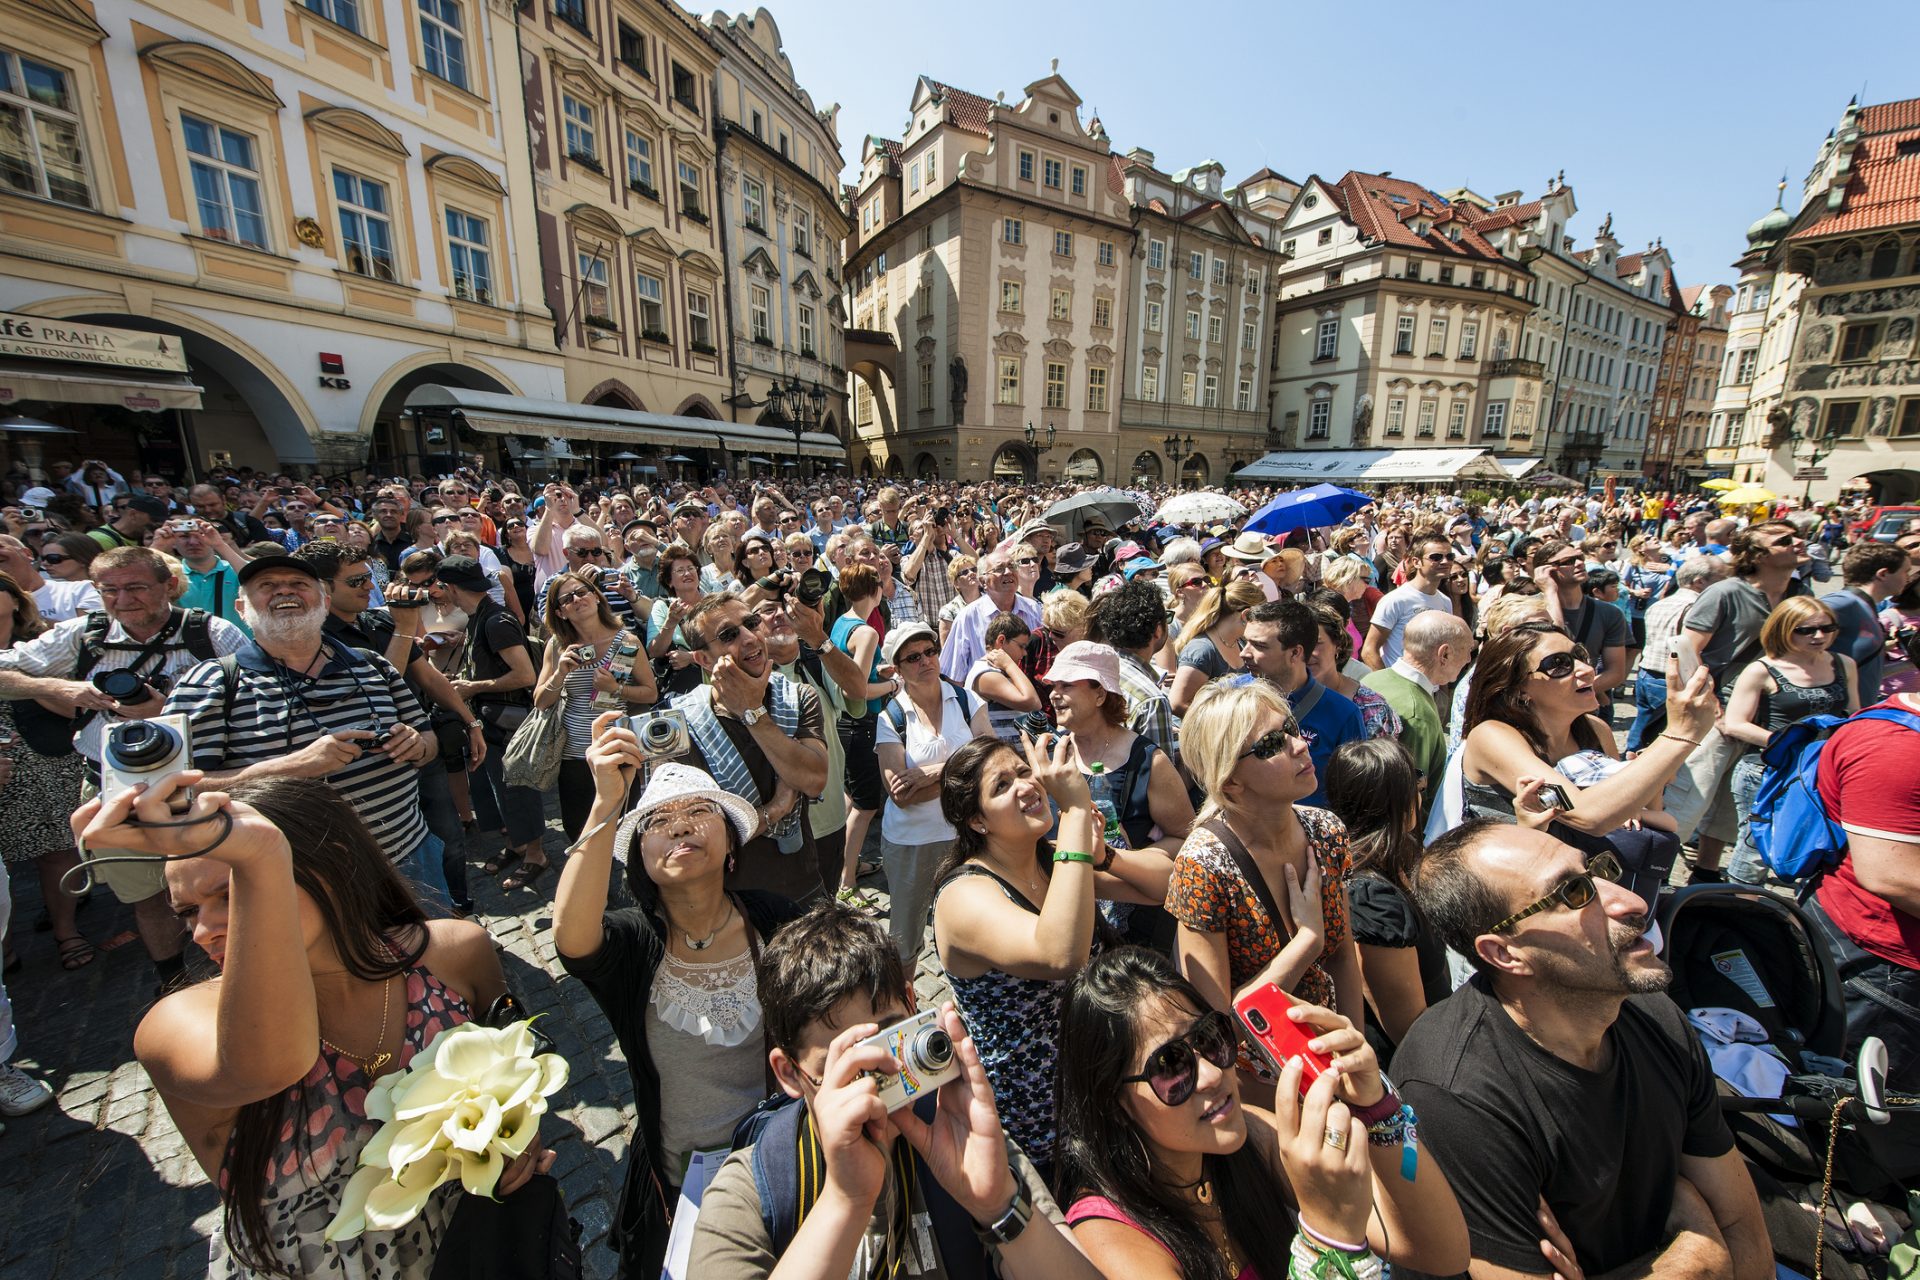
point(401, 596)
point(329, 753)
point(171, 818)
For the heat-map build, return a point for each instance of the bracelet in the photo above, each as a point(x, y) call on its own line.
point(1308, 1260)
point(1113, 851)
point(1401, 1129)
point(1692, 742)
point(1067, 855)
point(1380, 1111)
point(1328, 1242)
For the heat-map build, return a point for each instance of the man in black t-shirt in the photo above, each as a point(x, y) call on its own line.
point(1563, 1093)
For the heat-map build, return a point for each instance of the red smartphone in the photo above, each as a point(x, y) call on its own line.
point(1263, 1011)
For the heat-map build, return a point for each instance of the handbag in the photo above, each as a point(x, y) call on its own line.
point(532, 757)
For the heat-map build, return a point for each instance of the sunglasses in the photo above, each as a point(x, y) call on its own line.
point(1438, 557)
point(1816, 629)
point(1558, 666)
point(53, 557)
point(1173, 1069)
point(359, 580)
point(571, 596)
point(590, 553)
point(1024, 561)
point(1567, 563)
point(727, 635)
point(1576, 892)
point(917, 656)
point(1269, 744)
point(445, 519)
point(516, 524)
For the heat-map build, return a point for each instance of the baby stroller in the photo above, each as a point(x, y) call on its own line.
point(1834, 1126)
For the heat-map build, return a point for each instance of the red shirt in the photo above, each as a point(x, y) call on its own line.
point(1866, 781)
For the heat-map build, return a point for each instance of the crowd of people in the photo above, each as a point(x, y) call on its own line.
point(1426, 771)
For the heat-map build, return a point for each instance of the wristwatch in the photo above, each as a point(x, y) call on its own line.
point(476, 724)
point(752, 716)
point(1006, 1228)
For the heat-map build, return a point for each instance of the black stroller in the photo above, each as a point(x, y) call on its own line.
point(1736, 947)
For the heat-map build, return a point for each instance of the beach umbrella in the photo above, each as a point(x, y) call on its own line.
point(1747, 495)
point(1107, 507)
point(1320, 507)
point(1720, 482)
point(1200, 508)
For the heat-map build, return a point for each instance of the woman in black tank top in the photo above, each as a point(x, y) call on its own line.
point(1799, 676)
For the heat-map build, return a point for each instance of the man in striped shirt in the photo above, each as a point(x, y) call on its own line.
point(294, 704)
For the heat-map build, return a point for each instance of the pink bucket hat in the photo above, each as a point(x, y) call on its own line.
point(1085, 660)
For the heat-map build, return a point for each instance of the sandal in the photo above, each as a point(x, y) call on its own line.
point(501, 861)
point(526, 876)
point(866, 869)
point(860, 900)
point(75, 952)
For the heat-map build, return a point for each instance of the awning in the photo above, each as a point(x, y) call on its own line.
point(1519, 467)
point(1375, 466)
point(147, 392)
point(496, 414)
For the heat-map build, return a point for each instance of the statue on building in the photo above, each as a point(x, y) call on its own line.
point(1881, 423)
point(957, 386)
point(1816, 342)
point(1363, 418)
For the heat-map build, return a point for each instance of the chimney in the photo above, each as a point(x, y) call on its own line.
point(1140, 155)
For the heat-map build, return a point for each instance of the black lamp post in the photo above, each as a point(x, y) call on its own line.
point(1177, 451)
point(1818, 448)
point(798, 407)
point(1040, 442)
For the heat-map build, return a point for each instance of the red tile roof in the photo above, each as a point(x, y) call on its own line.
point(1884, 188)
point(963, 110)
point(1628, 264)
point(886, 147)
point(1264, 174)
point(1887, 117)
point(1691, 294)
point(1385, 208)
point(1512, 215)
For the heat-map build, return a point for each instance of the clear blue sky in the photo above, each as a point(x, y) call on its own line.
point(1678, 116)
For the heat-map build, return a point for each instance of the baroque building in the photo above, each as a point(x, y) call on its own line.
point(1199, 321)
point(230, 235)
point(991, 249)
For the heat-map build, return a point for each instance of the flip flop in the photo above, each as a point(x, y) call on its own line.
point(75, 952)
point(526, 876)
point(501, 861)
point(866, 869)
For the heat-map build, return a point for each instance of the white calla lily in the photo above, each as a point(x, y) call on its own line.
point(351, 1220)
point(472, 1124)
point(412, 1140)
point(480, 1174)
point(398, 1200)
point(429, 1093)
point(466, 1057)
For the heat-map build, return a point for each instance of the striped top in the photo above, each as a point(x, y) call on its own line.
point(276, 712)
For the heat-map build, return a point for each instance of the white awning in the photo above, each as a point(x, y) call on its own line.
point(1517, 468)
point(1375, 466)
point(497, 414)
point(147, 392)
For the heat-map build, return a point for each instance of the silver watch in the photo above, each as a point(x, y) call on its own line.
point(752, 716)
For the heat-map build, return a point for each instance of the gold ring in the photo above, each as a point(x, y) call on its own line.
point(1336, 1138)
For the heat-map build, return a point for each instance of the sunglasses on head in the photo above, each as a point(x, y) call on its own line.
point(1575, 892)
point(1558, 666)
point(1269, 744)
point(1173, 1069)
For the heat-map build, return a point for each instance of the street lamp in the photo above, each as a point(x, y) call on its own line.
point(797, 407)
point(1177, 451)
point(1040, 441)
point(1817, 448)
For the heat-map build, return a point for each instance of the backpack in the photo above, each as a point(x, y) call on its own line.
point(896, 712)
point(49, 732)
point(1788, 823)
point(787, 1191)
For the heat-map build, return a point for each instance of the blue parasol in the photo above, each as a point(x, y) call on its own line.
point(1320, 507)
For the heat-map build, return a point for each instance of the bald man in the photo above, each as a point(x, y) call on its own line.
point(1437, 648)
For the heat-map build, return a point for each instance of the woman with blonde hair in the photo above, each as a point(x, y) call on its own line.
point(1259, 886)
point(1188, 584)
point(721, 548)
point(1209, 645)
point(963, 572)
point(1799, 676)
point(1353, 579)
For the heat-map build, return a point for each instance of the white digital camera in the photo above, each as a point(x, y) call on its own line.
point(145, 752)
point(925, 1053)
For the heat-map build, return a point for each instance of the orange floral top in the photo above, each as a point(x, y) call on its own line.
point(1209, 895)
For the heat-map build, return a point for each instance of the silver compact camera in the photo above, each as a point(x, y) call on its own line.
point(925, 1053)
point(145, 753)
point(662, 735)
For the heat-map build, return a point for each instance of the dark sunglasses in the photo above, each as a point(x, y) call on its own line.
point(727, 635)
point(516, 524)
point(1026, 560)
point(590, 553)
point(53, 557)
point(918, 655)
point(1816, 629)
point(359, 580)
point(1269, 744)
point(1173, 1069)
point(1567, 563)
point(1576, 892)
point(1558, 666)
point(445, 519)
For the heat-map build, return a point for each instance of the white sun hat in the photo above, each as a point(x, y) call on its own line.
point(672, 783)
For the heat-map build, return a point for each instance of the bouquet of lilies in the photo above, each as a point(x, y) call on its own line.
point(469, 1103)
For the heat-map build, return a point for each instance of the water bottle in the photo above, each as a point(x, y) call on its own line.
point(1100, 783)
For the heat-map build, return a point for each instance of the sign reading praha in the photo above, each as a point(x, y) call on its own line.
point(38, 338)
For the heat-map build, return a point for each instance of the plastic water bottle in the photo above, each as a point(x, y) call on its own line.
point(1100, 783)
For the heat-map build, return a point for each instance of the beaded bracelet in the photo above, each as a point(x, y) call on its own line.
point(1401, 1129)
point(1309, 1260)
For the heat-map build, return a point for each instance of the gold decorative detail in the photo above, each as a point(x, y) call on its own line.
point(307, 231)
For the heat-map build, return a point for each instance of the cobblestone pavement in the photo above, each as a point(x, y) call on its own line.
point(98, 1182)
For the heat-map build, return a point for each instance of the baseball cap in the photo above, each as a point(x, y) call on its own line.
point(276, 560)
point(463, 572)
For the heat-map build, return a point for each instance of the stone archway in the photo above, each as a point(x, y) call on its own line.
point(613, 394)
point(926, 467)
point(1147, 467)
point(1194, 472)
point(1086, 466)
point(403, 441)
point(1014, 461)
point(1892, 488)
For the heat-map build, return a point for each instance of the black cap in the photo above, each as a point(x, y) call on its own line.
point(463, 572)
point(276, 560)
point(148, 505)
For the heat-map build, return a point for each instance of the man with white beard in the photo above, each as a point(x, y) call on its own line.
point(296, 704)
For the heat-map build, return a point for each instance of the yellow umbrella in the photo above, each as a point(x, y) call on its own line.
point(1747, 495)
point(1720, 482)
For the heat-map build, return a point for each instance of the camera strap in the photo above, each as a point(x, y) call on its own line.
point(94, 645)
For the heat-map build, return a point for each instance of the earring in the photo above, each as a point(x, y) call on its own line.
point(733, 861)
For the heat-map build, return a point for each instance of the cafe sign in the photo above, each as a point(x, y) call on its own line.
point(38, 338)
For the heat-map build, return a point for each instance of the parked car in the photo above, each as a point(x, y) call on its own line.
point(1883, 524)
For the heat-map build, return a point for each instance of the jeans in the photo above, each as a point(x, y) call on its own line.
point(1746, 865)
point(496, 805)
point(436, 802)
point(1649, 710)
point(1882, 998)
point(422, 869)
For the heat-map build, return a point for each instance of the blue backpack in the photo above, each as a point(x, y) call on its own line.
point(1788, 822)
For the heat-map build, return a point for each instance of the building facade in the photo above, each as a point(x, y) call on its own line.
point(1199, 324)
point(1685, 387)
point(1834, 405)
point(1399, 324)
point(992, 246)
point(317, 207)
point(781, 231)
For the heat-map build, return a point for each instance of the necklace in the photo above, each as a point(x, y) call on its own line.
point(380, 1057)
point(701, 944)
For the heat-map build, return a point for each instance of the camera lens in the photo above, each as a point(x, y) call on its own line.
point(656, 733)
point(1257, 1020)
point(141, 744)
point(121, 686)
point(932, 1050)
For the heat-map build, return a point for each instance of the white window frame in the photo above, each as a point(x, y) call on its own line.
point(1007, 387)
point(1219, 273)
point(1051, 173)
point(443, 39)
point(803, 232)
point(219, 176)
point(760, 313)
point(1319, 418)
point(1193, 326)
point(1243, 396)
point(469, 256)
point(1196, 265)
point(40, 119)
point(1326, 339)
point(1457, 420)
point(1055, 395)
point(1025, 166)
point(687, 175)
point(1096, 388)
point(1249, 335)
point(1104, 257)
point(1189, 386)
point(753, 203)
point(1157, 255)
point(1210, 396)
point(1077, 180)
point(925, 389)
point(341, 13)
point(1154, 314)
point(1436, 335)
point(1103, 313)
point(803, 321)
point(1149, 382)
point(591, 269)
point(358, 218)
point(1215, 329)
point(699, 317)
point(1396, 423)
point(582, 128)
point(1060, 305)
point(1063, 244)
point(1013, 231)
point(1469, 339)
point(651, 290)
point(1429, 416)
point(1403, 336)
point(640, 160)
point(1010, 297)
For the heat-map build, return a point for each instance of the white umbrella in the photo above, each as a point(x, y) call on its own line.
point(1199, 508)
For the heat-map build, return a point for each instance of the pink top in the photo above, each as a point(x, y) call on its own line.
point(1087, 1207)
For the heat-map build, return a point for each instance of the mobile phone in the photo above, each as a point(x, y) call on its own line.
point(1554, 795)
point(1263, 1011)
